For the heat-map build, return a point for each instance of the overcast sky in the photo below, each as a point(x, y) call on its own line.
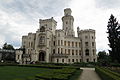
point(19, 17)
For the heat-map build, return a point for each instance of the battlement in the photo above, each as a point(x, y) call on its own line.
point(87, 30)
point(47, 20)
point(25, 36)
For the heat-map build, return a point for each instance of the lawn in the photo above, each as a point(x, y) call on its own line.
point(24, 72)
point(15, 72)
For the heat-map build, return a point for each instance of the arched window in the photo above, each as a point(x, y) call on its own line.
point(87, 52)
point(42, 40)
point(42, 29)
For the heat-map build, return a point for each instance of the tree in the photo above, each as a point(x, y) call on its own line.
point(103, 58)
point(113, 30)
point(8, 47)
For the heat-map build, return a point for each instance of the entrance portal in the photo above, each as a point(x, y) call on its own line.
point(42, 56)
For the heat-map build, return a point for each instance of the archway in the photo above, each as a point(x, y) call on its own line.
point(42, 56)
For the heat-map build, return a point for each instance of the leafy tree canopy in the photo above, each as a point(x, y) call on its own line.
point(8, 47)
point(113, 30)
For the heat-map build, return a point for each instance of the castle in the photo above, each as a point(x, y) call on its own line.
point(58, 46)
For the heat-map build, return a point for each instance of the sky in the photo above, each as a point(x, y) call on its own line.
point(19, 17)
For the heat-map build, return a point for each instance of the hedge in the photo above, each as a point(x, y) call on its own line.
point(57, 74)
point(106, 74)
point(114, 73)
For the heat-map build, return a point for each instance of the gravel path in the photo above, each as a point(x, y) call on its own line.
point(89, 74)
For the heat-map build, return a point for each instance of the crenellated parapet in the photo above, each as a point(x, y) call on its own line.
point(47, 20)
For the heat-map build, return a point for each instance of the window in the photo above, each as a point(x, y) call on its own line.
point(79, 44)
point(76, 44)
point(23, 46)
point(68, 60)
point(65, 51)
point(72, 52)
point(58, 35)
point(69, 51)
point(72, 44)
point(76, 60)
point(93, 52)
point(42, 39)
point(62, 60)
point(53, 51)
point(66, 22)
point(79, 52)
point(18, 56)
point(80, 60)
point(54, 43)
point(86, 37)
point(64, 43)
point(87, 52)
point(72, 60)
point(61, 42)
point(76, 52)
point(42, 29)
point(94, 60)
point(93, 44)
point(49, 43)
point(31, 44)
point(86, 43)
point(57, 60)
point(58, 42)
point(87, 60)
point(61, 50)
point(68, 43)
point(58, 50)
point(92, 37)
point(29, 37)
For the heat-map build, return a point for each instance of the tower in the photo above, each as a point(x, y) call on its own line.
point(67, 21)
point(44, 38)
point(88, 45)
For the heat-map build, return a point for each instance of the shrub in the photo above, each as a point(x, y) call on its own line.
point(106, 74)
point(57, 74)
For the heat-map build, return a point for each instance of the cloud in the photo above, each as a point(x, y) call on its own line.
point(107, 3)
point(88, 15)
point(19, 17)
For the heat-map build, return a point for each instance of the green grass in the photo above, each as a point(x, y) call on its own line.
point(15, 72)
point(32, 72)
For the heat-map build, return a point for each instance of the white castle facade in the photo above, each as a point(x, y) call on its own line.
point(58, 46)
